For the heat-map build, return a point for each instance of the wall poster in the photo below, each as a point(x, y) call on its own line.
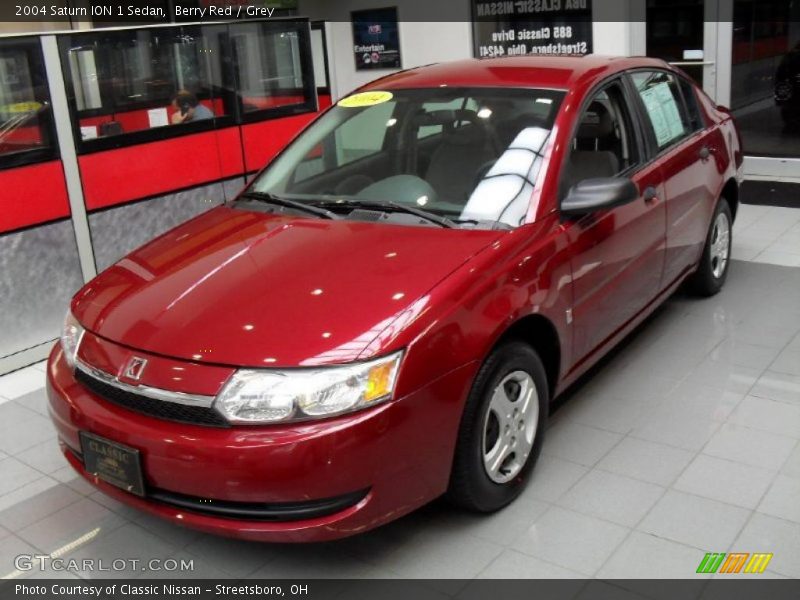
point(376, 39)
point(531, 27)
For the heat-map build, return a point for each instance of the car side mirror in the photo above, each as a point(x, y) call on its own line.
point(590, 195)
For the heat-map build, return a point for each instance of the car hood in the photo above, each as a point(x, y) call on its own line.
point(244, 288)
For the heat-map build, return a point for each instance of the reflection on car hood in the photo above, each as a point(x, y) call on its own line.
point(246, 288)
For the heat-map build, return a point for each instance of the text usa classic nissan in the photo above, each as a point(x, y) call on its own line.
point(384, 315)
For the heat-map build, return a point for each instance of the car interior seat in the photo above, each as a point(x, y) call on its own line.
point(462, 152)
point(510, 129)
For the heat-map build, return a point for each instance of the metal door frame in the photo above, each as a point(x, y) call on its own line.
point(717, 48)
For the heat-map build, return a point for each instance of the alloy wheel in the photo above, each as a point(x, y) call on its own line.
point(720, 245)
point(510, 426)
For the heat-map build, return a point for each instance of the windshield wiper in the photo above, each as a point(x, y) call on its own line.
point(285, 202)
point(389, 206)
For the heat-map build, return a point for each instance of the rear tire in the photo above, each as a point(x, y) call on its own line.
point(502, 429)
point(715, 262)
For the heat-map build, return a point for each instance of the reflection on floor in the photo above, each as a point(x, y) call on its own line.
point(685, 441)
point(767, 234)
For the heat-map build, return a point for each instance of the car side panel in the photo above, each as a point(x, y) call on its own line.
point(617, 262)
point(692, 186)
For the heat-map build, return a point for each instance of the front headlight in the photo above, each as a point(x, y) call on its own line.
point(71, 336)
point(272, 396)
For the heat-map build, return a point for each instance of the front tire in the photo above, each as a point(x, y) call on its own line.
point(714, 264)
point(502, 429)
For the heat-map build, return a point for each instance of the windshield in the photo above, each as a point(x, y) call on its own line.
point(470, 155)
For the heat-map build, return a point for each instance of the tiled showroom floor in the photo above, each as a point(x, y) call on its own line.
point(685, 441)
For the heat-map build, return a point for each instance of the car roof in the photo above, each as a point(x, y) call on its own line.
point(553, 72)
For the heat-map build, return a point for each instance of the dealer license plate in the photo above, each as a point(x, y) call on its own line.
point(113, 463)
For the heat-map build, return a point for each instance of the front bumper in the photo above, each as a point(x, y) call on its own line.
point(387, 460)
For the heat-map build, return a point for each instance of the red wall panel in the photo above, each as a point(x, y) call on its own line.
point(125, 174)
point(229, 141)
point(32, 194)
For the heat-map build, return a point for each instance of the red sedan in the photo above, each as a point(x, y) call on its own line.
point(386, 312)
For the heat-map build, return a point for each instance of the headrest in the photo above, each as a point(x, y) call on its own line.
point(466, 135)
point(596, 122)
point(446, 117)
point(471, 128)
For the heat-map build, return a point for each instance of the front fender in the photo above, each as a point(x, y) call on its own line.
point(524, 273)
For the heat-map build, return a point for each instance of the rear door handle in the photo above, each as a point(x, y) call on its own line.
point(705, 153)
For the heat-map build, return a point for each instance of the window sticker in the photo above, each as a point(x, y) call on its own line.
point(365, 99)
point(663, 111)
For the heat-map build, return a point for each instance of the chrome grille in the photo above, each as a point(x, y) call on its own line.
point(184, 408)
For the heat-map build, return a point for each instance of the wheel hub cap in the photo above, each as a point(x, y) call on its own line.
point(510, 426)
point(720, 245)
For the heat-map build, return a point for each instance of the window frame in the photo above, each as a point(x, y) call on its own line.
point(50, 152)
point(236, 117)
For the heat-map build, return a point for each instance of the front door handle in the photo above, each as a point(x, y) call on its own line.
point(705, 153)
point(650, 194)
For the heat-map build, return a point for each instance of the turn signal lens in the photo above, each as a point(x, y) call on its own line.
point(71, 336)
point(380, 380)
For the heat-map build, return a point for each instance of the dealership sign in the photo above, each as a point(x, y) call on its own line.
point(523, 27)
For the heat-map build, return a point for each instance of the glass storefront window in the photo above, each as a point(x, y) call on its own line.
point(765, 76)
point(137, 85)
point(271, 69)
point(136, 80)
point(25, 114)
point(675, 27)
